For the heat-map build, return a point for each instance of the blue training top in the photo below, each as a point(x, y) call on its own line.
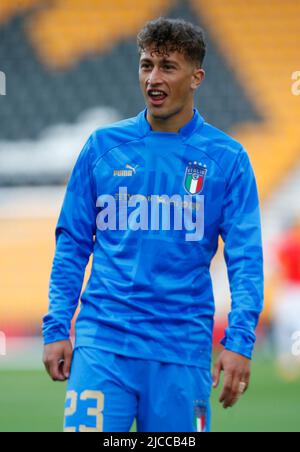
point(150, 206)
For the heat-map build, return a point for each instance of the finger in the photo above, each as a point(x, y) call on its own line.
point(56, 371)
point(67, 364)
point(246, 380)
point(46, 364)
point(217, 374)
point(227, 385)
point(235, 391)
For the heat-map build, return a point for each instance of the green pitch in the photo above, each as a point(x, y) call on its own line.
point(29, 401)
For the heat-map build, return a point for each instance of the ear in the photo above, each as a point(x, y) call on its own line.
point(197, 78)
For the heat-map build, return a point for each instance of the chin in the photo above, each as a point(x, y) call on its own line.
point(160, 114)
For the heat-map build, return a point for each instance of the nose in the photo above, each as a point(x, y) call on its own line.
point(154, 77)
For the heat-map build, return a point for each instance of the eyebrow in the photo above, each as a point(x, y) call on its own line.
point(164, 60)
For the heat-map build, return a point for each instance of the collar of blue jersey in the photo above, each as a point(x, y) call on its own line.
point(185, 132)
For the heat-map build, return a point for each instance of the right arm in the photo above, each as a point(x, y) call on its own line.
point(75, 232)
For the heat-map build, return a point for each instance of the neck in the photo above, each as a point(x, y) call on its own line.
point(171, 124)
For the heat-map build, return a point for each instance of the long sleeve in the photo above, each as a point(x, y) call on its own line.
point(241, 232)
point(74, 244)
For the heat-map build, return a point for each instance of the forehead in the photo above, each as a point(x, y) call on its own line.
point(155, 55)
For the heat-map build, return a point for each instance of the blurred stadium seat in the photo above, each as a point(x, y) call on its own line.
point(261, 42)
point(9, 8)
point(73, 28)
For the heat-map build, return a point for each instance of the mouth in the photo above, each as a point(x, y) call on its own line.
point(157, 97)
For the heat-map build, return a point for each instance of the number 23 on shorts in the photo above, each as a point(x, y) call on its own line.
point(95, 412)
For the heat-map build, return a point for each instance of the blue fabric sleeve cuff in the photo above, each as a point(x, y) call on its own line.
point(52, 338)
point(237, 347)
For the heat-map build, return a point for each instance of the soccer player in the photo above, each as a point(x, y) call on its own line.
point(149, 197)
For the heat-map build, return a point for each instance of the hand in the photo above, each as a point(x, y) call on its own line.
point(236, 376)
point(57, 360)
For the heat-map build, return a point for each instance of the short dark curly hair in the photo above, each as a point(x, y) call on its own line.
point(170, 35)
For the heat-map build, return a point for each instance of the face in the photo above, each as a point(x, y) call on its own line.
point(168, 82)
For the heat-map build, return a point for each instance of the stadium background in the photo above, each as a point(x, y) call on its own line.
point(70, 67)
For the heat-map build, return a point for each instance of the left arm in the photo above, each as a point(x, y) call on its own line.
point(241, 232)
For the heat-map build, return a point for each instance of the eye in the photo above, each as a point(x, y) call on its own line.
point(169, 67)
point(145, 66)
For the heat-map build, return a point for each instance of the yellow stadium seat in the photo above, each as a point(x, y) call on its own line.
point(261, 41)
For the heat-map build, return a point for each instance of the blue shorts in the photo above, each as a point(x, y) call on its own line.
point(107, 392)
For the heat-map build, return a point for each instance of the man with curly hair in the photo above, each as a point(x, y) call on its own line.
point(149, 198)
